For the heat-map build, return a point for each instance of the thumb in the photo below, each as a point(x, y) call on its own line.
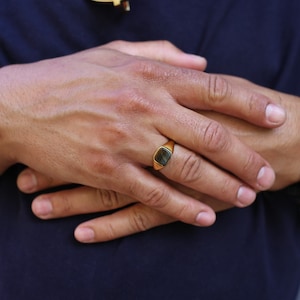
point(162, 51)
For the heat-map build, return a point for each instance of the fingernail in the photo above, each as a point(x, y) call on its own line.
point(265, 178)
point(84, 234)
point(205, 218)
point(42, 207)
point(27, 181)
point(245, 196)
point(275, 114)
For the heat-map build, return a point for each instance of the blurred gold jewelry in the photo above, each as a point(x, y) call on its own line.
point(125, 3)
point(162, 155)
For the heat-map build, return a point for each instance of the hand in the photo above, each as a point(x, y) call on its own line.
point(95, 118)
point(83, 200)
point(279, 147)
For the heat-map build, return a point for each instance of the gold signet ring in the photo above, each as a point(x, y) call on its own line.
point(162, 155)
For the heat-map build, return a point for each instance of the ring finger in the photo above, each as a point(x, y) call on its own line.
point(195, 172)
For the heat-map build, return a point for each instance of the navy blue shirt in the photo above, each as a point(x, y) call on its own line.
point(251, 253)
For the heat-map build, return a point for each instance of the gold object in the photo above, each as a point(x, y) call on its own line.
point(162, 155)
point(125, 3)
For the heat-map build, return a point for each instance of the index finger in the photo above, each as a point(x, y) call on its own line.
point(199, 90)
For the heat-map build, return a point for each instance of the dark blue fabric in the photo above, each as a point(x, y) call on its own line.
point(251, 253)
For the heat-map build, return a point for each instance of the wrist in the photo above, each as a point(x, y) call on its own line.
point(8, 118)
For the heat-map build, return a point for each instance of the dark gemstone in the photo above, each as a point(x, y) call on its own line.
point(162, 156)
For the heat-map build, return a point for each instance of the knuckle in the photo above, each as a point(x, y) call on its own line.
point(139, 221)
point(116, 44)
point(133, 101)
point(227, 191)
point(166, 45)
point(255, 103)
point(116, 134)
point(183, 213)
point(143, 68)
point(215, 137)
point(156, 198)
point(218, 89)
point(250, 163)
point(107, 199)
point(98, 163)
point(155, 72)
point(110, 232)
point(190, 170)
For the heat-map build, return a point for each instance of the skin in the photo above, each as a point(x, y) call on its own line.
point(96, 117)
point(280, 146)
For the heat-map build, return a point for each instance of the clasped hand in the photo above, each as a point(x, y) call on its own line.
point(95, 118)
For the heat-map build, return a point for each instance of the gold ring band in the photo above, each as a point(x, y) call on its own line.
point(162, 155)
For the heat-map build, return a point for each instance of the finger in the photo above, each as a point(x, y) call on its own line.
point(162, 51)
point(134, 219)
point(142, 186)
point(30, 181)
point(193, 171)
point(202, 91)
point(274, 95)
point(215, 204)
point(219, 94)
point(216, 144)
point(77, 201)
point(199, 90)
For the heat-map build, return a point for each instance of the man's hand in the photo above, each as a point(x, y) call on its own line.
point(279, 146)
point(95, 118)
point(132, 218)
